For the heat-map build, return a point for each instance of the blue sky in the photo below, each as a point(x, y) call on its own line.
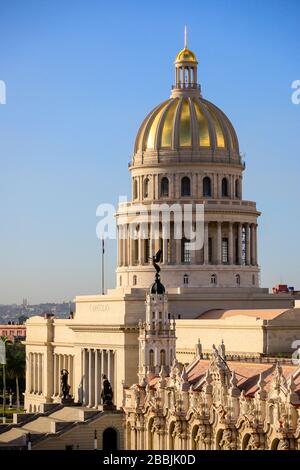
point(81, 76)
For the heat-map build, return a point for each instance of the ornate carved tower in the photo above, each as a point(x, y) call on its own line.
point(157, 335)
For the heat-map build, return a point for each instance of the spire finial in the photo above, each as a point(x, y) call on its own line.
point(185, 37)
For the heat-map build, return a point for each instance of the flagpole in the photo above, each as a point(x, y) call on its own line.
point(3, 362)
point(102, 276)
point(4, 393)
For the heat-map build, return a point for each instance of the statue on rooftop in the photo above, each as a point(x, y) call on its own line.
point(65, 387)
point(107, 393)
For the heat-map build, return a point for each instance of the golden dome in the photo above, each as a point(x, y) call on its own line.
point(186, 55)
point(187, 125)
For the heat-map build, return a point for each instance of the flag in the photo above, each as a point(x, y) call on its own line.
point(103, 246)
point(2, 352)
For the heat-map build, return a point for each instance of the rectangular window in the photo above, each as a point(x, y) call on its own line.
point(135, 251)
point(243, 246)
point(169, 260)
point(225, 258)
point(210, 250)
point(236, 251)
point(146, 250)
point(186, 251)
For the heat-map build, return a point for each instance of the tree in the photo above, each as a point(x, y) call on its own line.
point(16, 365)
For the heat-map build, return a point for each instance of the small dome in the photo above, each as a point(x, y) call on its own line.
point(186, 55)
point(187, 124)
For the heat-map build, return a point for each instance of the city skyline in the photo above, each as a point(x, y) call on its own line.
point(75, 100)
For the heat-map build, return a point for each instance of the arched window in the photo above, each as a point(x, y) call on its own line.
point(128, 436)
point(224, 187)
point(151, 358)
point(162, 357)
point(150, 434)
point(238, 279)
point(135, 189)
point(134, 280)
point(164, 187)
point(146, 187)
point(120, 281)
point(253, 279)
point(186, 279)
point(194, 442)
point(206, 186)
point(237, 189)
point(213, 279)
point(185, 186)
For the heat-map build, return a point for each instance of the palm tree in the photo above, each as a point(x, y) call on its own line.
point(16, 364)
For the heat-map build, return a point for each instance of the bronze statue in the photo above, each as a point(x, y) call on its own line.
point(107, 393)
point(65, 387)
point(157, 287)
point(156, 259)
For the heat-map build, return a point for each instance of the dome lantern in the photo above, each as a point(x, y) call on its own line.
point(185, 71)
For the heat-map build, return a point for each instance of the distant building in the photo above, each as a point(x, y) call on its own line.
point(13, 332)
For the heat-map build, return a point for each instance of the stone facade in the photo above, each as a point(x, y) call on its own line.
point(216, 405)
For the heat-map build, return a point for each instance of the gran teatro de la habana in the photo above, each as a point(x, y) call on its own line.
point(188, 351)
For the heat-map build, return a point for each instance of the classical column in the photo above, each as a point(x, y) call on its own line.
point(90, 378)
point(230, 244)
point(240, 256)
point(178, 251)
point(34, 372)
point(205, 246)
point(113, 371)
point(156, 195)
point(71, 375)
point(253, 244)
point(40, 376)
point(83, 379)
point(101, 369)
point(28, 373)
point(165, 249)
point(123, 246)
point(119, 263)
point(248, 245)
point(108, 366)
point(86, 373)
point(194, 186)
point(140, 246)
point(54, 374)
point(129, 244)
point(96, 378)
point(60, 366)
point(219, 243)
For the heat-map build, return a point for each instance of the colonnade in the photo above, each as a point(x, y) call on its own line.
point(35, 372)
point(95, 363)
point(233, 243)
